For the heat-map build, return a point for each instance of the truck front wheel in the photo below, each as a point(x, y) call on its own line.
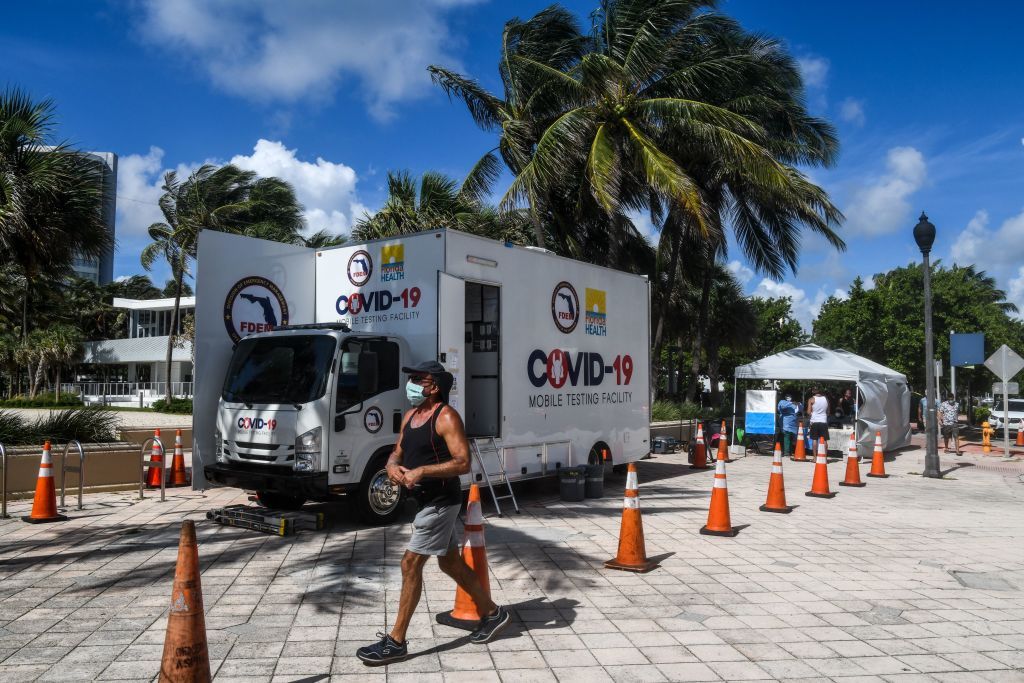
point(279, 501)
point(379, 501)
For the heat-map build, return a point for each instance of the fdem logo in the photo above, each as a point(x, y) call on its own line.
point(254, 304)
point(565, 307)
point(392, 262)
point(595, 320)
point(360, 267)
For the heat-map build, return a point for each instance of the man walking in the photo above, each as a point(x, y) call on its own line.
point(949, 414)
point(431, 453)
point(787, 411)
point(817, 408)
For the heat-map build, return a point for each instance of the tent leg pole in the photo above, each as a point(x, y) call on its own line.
point(735, 389)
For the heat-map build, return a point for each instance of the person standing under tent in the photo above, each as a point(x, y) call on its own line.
point(817, 408)
point(949, 415)
point(787, 412)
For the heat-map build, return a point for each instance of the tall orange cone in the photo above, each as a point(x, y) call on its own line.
point(156, 470)
point(44, 504)
point(776, 501)
point(1020, 433)
point(465, 614)
point(819, 485)
point(799, 452)
point(178, 475)
point(878, 459)
point(186, 657)
point(723, 444)
point(700, 455)
point(852, 464)
point(719, 522)
point(632, 554)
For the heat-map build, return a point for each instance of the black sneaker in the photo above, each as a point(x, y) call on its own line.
point(388, 650)
point(491, 625)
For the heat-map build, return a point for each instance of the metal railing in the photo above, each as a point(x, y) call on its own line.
point(148, 461)
point(127, 390)
point(80, 470)
point(3, 483)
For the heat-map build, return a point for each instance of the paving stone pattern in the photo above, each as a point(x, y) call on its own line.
point(907, 579)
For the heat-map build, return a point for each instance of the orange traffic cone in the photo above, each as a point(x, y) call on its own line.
point(719, 522)
point(700, 455)
point(852, 464)
point(186, 657)
point(723, 444)
point(819, 485)
point(632, 554)
point(1020, 434)
point(878, 459)
point(178, 475)
point(465, 614)
point(776, 501)
point(799, 453)
point(44, 504)
point(156, 470)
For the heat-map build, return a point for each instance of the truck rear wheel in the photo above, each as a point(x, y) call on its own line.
point(279, 501)
point(379, 501)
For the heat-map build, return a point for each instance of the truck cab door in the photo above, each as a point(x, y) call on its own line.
point(451, 334)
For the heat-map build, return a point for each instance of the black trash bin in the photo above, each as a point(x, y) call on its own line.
point(595, 481)
point(572, 483)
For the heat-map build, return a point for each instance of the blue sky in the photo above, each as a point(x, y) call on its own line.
point(927, 98)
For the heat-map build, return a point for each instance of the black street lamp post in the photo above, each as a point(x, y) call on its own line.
point(924, 235)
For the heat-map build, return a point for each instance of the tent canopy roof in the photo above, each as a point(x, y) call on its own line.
point(813, 362)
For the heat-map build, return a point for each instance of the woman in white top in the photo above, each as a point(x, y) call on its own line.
point(817, 408)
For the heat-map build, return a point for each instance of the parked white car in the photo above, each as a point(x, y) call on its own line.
point(1015, 414)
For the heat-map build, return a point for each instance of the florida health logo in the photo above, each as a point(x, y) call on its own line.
point(360, 268)
point(392, 262)
point(254, 304)
point(594, 319)
point(565, 307)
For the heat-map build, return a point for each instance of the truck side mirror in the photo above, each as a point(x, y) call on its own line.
point(368, 373)
point(339, 423)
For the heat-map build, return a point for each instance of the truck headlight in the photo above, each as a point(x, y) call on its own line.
point(307, 450)
point(218, 447)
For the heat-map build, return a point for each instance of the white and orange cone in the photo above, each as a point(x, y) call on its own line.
point(466, 615)
point(632, 553)
point(156, 471)
point(719, 521)
point(723, 444)
point(700, 455)
point(1020, 433)
point(776, 501)
point(44, 504)
point(852, 464)
point(799, 451)
point(819, 485)
point(878, 459)
point(178, 475)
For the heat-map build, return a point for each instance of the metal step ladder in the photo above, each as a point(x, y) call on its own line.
point(490, 445)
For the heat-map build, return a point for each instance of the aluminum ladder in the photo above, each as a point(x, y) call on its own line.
point(478, 446)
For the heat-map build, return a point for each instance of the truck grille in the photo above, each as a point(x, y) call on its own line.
point(257, 446)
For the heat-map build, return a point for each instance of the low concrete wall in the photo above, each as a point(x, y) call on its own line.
point(677, 430)
point(108, 467)
point(137, 436)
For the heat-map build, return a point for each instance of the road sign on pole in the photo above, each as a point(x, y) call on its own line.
point(1005, 363)
point(1010, 388)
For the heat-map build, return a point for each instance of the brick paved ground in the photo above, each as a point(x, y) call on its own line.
point(906, 579)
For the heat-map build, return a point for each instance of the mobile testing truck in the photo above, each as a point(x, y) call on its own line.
point(299, 392)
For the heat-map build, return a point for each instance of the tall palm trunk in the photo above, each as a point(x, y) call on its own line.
point(673, 265)
point(178, 275)
point(698, 339)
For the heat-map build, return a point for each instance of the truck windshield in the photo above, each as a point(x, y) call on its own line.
point(285, 369)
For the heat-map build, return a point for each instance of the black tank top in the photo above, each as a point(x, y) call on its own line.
point(424, 446)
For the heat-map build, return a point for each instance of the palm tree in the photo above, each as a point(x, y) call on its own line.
point(50, 194)
point(226, 199)
point(62, 344)
point(323, 239)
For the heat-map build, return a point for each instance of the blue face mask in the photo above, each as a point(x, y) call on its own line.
point(414, 392)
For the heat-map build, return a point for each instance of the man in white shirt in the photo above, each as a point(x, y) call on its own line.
point(817, 408)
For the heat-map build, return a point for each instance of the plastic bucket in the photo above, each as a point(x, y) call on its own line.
point(572, 484)
point(595, 481)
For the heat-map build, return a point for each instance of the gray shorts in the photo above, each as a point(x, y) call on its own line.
point(435, 530)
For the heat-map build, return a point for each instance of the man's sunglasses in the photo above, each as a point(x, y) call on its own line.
point(422, 380)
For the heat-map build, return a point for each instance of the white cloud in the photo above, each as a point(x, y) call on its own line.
point(139, 177)
point(272, 50)
point(881, 205)
point(987, 248)
point(852, 111)
point(1015, 292)
point(805, 309)
point(642, 222)
point(742, 273)
point(814, 70)
point(326, 189)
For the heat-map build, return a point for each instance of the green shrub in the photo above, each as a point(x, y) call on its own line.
point(178, 406)
point(42, 400)
point(88, 425)
point(13, 429)
point(668, 411)
point(981, 414)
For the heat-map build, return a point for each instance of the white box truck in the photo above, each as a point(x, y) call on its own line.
point(298, 355)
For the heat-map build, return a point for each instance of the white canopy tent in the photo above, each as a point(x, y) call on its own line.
point(885, 406)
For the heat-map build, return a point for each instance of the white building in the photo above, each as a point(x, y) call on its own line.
point(133, 371)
